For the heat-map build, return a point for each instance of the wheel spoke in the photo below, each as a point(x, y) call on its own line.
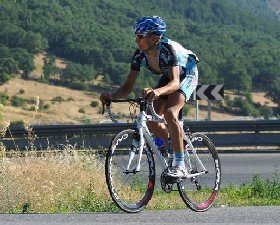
point(129, 190)
point(200, 192)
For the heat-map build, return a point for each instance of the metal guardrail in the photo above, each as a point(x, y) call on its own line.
point(222, 133)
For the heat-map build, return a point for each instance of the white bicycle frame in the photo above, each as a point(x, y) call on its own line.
point(145, 134)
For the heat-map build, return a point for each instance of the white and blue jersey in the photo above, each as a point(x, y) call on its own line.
point(171, 53)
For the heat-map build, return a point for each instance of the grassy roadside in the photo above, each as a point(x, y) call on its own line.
point(69, 181)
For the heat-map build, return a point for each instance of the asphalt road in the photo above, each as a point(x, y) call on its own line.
point(238, 168)
point(224, 215)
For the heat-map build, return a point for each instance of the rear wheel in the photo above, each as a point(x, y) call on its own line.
point(131, 190)
point(200, 192)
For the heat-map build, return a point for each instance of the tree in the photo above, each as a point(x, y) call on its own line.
point(274, 91)
point(25, 61)
point(49, 67)
point(235, 77)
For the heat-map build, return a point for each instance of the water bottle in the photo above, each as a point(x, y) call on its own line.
point(161, 146)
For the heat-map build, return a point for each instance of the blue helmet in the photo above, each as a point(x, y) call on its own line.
point(150, 24)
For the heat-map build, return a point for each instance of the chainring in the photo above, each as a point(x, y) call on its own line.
point(166, 181)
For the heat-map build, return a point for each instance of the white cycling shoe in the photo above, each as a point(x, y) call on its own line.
point(177, 172)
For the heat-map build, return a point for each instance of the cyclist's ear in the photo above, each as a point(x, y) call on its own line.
point(155, 38)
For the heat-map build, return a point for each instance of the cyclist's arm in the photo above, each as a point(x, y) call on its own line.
point(174, 82)
point(127, 87)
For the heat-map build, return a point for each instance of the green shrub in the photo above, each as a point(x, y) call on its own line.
point(79, 85)
point(266, 112)
point(32, 108)
point(82, 111)
point(245, 107)
point(21, 91)
point(3, 98)
point(18, 101)
point(269, 189)
point(94, 104)
point(4, 77)
point(17, 122)
point(47, 106)
point(57, 99)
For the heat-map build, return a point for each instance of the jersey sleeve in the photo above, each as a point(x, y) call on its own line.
point(136, 60)
point(170, 55)
point(173, 58)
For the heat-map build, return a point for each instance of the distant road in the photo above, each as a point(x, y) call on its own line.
point(226, 215)
point(241, 167)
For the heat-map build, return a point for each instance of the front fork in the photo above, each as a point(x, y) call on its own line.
point(140, 124)
point(136, 144)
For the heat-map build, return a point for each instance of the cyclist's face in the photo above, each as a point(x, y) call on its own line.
point(142, 42)
point(146, 42)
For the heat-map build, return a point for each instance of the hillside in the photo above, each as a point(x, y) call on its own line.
point(238, 46)
point(66, 106)
point(83, 41)
point(60, 105)
point(262, 8)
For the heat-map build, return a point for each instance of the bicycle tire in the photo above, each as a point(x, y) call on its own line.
point(199, 193)
point(130, 191)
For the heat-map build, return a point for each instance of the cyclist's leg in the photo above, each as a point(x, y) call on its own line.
point(174, 104)
point(159, 129)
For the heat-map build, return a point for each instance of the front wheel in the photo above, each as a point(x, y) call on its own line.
point(130, 189)
point(200, 192)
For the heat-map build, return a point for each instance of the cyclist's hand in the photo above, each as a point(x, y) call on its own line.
point(150, 94)
point(146, 91)
point(107, 96)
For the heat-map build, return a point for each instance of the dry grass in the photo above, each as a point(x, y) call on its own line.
point(62, 182)
point(259, 97)
point(66, 111)
point(39, 63)
point(50, 183)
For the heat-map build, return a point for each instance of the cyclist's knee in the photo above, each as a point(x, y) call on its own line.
point(171, 116)
point(154, 125)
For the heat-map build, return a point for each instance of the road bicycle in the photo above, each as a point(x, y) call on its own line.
point(131, 172)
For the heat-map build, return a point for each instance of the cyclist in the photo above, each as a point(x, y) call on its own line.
point(177, 68)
